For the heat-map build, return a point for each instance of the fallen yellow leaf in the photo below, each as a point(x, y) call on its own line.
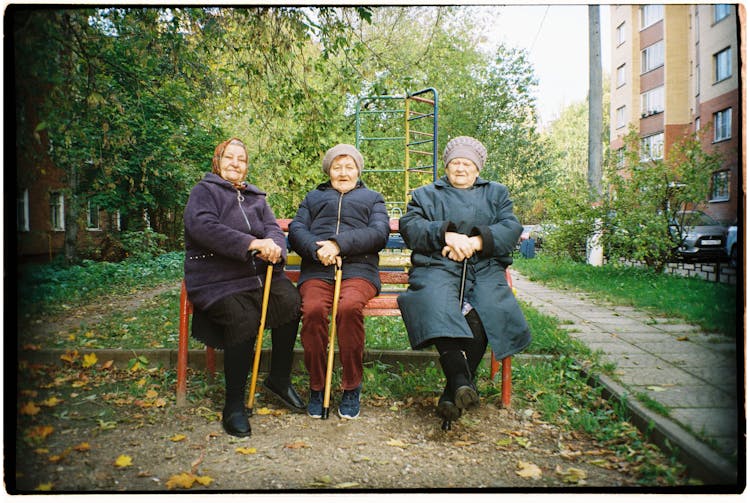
point(528, 470)
point(89, 360)
point(39, 432)
point(178, 438)
point(141, 382)
point(152, 393)
point(51, 401)
point(83, 446)
point(184, 480)
point(69, 356)
point(571, 475)
point(108, 364)
point(45, 486)
point(41, 450)
point(263, 411)
point(204, 480)
point(29, 409)
point(246, 450)
point(123, 460)
point(395, 443)
point(160, 402)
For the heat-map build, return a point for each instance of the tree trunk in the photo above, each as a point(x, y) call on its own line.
point(71, 219)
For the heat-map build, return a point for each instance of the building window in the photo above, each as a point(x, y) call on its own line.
point(620, 33)
point(697, 79)
point(620, 117)
point(22, 211)
point(723, 125)
point(652, 57)
point(652, 101)
point(620, 157)
point(92, 216)
point(697, 125)
point(651, 14)
point(721, 11)
point(652, 147)
point(723, 64)
point(57, 211)
point(621, 78)
point(114, 220)
point(720, 186)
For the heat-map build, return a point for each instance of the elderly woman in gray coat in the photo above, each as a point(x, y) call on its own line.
point(461, 221)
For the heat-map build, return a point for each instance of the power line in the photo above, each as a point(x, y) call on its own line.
point(540, 29)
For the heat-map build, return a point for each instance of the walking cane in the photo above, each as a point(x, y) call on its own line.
point(259, 339)
point(331, 344)
point(446, 426)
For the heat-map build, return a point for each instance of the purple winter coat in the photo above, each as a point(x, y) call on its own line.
point(217, 261)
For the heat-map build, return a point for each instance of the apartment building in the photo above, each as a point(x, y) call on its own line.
point(676, 71)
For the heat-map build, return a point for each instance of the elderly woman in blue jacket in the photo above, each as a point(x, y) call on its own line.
point(339, 222)
point(461, 220)
point(231, 236)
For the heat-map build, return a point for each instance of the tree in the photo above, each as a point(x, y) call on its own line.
point(646, 194)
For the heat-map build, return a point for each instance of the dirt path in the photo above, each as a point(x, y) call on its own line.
point(76, 423)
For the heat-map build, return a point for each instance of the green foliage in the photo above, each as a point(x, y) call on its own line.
point(56, 288)
point(646, 195)
point(712, 306)
point(143, 244)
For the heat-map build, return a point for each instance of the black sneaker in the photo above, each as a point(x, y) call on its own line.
point(349, 407)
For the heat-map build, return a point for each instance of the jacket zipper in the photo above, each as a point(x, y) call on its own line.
point(241, 198)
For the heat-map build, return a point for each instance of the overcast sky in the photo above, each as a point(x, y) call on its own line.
point(556, 37)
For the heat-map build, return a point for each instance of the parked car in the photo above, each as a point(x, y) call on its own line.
point(703, 238)
point(731, 246)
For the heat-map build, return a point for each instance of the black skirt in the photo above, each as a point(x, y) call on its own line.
point(235, 319)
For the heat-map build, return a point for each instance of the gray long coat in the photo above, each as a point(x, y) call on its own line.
point(430, 307)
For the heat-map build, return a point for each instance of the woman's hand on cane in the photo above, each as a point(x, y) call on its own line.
point(267, 250)
point(460, 247)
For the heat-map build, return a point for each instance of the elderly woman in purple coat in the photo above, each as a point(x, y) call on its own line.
point(231, 235)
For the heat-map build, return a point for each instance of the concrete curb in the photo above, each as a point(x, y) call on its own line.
point(702, 461)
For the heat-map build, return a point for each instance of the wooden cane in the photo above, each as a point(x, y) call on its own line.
point(331, 344)
point(259, 339)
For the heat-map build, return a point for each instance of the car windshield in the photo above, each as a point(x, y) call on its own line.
point(696, 219)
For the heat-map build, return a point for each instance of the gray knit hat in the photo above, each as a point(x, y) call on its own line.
point(466, 147)
point(342, 149)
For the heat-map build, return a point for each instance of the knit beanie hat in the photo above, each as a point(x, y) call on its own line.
point(466, 147)
point(342, 149)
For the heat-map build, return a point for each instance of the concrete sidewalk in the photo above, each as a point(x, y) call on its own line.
point(691, 373)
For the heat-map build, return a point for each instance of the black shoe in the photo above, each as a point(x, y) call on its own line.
point(288, 397)
point(236, 424)
point(446, 408)
point(458, 374)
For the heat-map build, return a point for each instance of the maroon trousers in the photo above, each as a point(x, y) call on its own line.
point(317, 303)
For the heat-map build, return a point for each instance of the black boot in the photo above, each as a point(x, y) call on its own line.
point(236, 369)
point(459, 377)
point(278, 382)
point(476, 348)
point(446, 407)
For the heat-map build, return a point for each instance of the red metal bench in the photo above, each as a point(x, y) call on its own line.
point(382, 305)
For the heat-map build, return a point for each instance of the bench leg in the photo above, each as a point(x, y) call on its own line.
point(211, 363)
point(506, 383)
point(182, 360)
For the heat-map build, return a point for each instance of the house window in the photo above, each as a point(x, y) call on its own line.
point(22, 211)
point(621, 75)
point(723, 64)
point(652, 57)
point(92, 216)
point(723, 125)
point(720, 186)
point(697, 125)
point(652, 101)
point(651, 14)
point(721, 11)
point(620, 117)
point(652, 147)
point(620, 33)
point(57, 211)
point(620, 157)
point(114, 220)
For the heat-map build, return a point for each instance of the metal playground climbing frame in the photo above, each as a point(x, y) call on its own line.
point(399, 137)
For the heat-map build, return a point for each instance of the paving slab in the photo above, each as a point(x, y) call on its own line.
point(690, 372)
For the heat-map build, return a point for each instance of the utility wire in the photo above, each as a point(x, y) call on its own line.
point(540, 29)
